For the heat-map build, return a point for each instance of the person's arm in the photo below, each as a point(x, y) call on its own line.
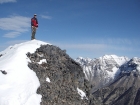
point(36, 22)
point(31, 23)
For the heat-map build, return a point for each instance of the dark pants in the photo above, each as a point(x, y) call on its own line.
point(33, 32)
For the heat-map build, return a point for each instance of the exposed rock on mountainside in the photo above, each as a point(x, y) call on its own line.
point(3, 72)
point(62, 81)
point(125, 90)
point(101, 71)
point(0, 55)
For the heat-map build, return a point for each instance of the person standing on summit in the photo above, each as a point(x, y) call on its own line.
point(34, 25)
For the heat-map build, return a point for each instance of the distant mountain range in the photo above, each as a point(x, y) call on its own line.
point(103, 70)
point(115, 80)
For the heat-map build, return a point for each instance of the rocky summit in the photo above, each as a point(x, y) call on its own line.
point(62, 81)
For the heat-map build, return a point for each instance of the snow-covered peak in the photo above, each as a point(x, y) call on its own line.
point(83, 61)
point(19, 85)
point(26, 46)
point(106, 59)
point(119, 60)
point(102, 70)
point(135, 60)
point(82, 58)
point(132, 65)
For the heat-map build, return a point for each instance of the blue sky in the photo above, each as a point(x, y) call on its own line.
point(87, 28)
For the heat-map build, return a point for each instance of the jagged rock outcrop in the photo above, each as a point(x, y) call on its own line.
point(0, 55)
point(125, 90)
point(60, 77)
point(3, 72)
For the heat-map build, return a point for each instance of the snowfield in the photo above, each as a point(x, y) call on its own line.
point(19, 85)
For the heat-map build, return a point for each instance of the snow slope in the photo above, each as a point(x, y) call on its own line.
point(19, 85)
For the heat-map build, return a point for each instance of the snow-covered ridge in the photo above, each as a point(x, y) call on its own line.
point(108, 63)
point(132, 65)
point(19, 85)
point(117, 59)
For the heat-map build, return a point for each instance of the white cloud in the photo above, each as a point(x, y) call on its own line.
point(46, 17)
point(84, 47)
point(6, 1)
point(16, 24)
point(106, 48)
point(12, 34)
point(118, 41)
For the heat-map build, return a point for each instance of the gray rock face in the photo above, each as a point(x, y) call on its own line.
point(59, 76)
point(125, 90)
point(0, 55)
point(3, 72)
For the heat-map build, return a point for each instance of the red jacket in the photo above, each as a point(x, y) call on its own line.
point(34, 22)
